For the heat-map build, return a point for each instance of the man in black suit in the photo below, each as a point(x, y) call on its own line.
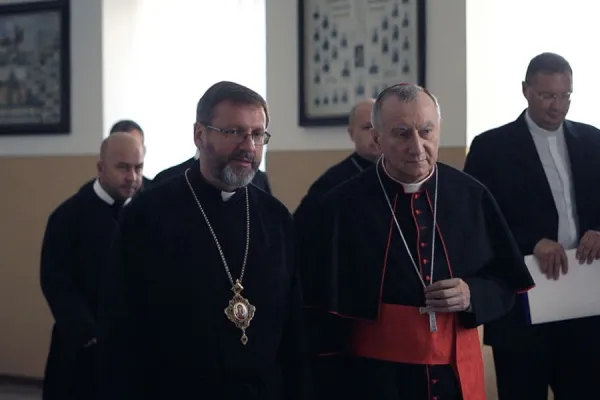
point(260, 179)
point(544, 172)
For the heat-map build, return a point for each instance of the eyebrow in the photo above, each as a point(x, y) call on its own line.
point(426, 125)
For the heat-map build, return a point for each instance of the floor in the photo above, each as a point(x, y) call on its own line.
point(9, 392)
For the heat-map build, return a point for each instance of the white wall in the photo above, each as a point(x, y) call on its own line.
point(151, 88)
point(501, 42)
point(161, 58)
point(86, 92)
point(446, 76)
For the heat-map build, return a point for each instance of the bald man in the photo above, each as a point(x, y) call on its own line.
point(126, 126)
point(134, 129)
point(364, 156)
point(74, 251)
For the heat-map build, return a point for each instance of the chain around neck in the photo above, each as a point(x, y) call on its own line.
point(210, 228)
point(389, 203)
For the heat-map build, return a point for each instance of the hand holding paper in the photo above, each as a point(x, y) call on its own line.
point(574, 295)
point(589, 247)
point(551, 258)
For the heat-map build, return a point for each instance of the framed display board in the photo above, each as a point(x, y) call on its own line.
point(35, 77)
point(353, 49)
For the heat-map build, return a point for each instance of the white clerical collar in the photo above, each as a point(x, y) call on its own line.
point(408, 187)
point(227, 195)
point(538, 130)
point(103, 194)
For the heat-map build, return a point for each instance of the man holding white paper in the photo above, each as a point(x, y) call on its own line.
point(544, 172)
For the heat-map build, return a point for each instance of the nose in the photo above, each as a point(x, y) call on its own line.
point(131, 175)
point(248, 143)
point(415, 144)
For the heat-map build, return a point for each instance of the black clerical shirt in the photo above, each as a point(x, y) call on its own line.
point(164, 332)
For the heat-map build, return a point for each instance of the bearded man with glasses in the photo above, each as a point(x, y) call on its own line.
point(203, 298)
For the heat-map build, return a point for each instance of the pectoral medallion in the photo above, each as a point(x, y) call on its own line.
point(240, 311)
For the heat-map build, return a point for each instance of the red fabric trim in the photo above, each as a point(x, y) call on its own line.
point(468, 362)
point(525, 290)
point(413, 212)
point(401, 334)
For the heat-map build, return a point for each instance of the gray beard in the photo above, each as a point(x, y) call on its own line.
point(236, 179)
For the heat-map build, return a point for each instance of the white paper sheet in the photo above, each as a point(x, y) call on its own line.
point(575, 295)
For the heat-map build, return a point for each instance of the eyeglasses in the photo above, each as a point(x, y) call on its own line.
point(561, 97)
point(259, 138)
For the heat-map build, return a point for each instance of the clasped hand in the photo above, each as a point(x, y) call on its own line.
point(448, 295)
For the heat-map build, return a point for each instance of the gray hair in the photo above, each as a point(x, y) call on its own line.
point(406, 92)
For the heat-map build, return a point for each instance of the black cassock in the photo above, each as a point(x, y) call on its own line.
point(164, 333)
point(260, 179)
point(75, 248)
point(336, 175)
point(363, 293)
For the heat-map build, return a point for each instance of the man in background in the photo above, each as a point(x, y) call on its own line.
point(544, 172)
point(74, 251)
point(131, 128)
point(364, 156)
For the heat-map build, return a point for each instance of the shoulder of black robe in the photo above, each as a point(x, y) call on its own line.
point(146, 182)
point(344, 274)
point(336, 175)
point(75, 240)
point(261, 181)
point(343, 171)
point(88, 185)
point(173, 171)
point(166, 268)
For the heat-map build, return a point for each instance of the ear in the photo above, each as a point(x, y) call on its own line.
point(350, 133)
point(198, 130)
point(375, 135)
point(99, 167)
point(524, 88)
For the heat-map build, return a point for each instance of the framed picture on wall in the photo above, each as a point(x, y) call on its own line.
point(35, 68)
point(353, 49)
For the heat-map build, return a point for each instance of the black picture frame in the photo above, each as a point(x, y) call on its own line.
point(35, 68)
point(308, 119)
